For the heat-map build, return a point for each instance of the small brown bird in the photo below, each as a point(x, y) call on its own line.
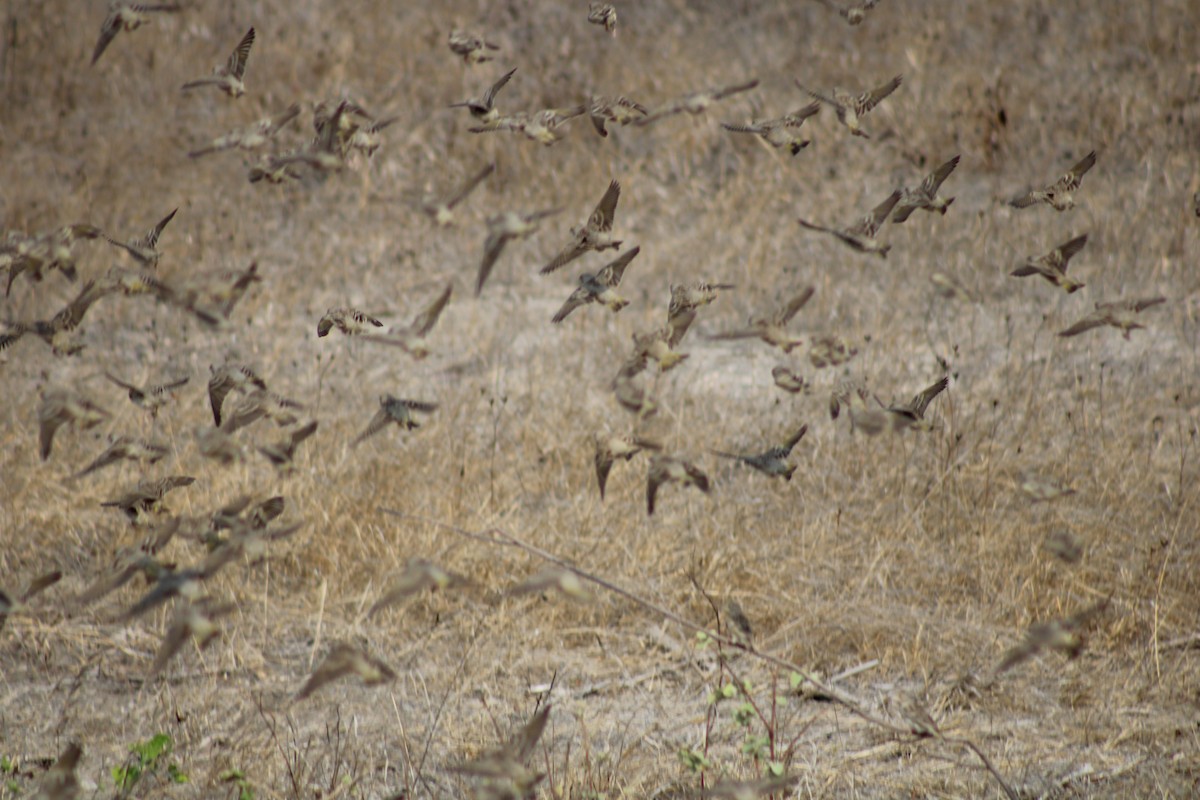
point(504, 769)
point(553, 577)
point(394, 410)
point(9, 605)
point(227, 378)
point(771, 328)
point(789, 381)
point(60, 330)
point(855, 13)
point(484, 108)
point(123, 15)
point(603, 14)
point(219, 445)
point(1053, 265)
point(595, 234)
point(951, 288)
point(126, 448)
point(751, 790)
point(345, 659)
point(282, 453)
point(610, 447)
point(737, 625)
point(685, 299)
point(619, 110)
point(125, 567)
point(151, 397)
point(1061, 194)
point(147, 496)
point(630, 395)
point(441, 211)
point(1120, 314)
point(667, 469)
point(503, 228)
point(774, 461)
point(1068, 636)
point(926, 195)
point(59, 782)
point(145, 248)
point(192, 620)
point(830, 351)
point(913, 412)
point(251, 137)
point(782, 132)
point(61, 406)
point(228, 77)
point(418, 575)
point(851, 108)
point(411, 339)
point(261, 403)
point(1063, 546)
point(861, 235)
point(539, 126)
point(697, 102)
point(471, 48)
point(349, 321)
point(599, 287)
point(656, 345)
point(1040, 489)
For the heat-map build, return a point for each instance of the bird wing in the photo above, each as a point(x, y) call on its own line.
point(573, 250)
point(792, 440)
point(1066, 251)
point(237, 59)
point(1094, 320)
point(815, 227)
point(602, 217)
point(726, 91)
point(934, 180)
point(604, 462)
point(869, 225)
point(923, 398)
point(108, 30)
point(612, 273)
point(578, 298)
point(870, 99)
point(1081, 168)
point(753, 127)
point(470, 185)
point(150, 240)
point(824, 98)
point(489, 97)
point(784, 315)
point(492, 248)
point(423, 323)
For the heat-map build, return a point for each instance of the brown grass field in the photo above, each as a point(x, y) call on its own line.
point(912, 561)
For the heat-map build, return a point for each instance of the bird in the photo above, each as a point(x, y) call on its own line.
point(441, 211)
point(830, 351)
point(419, 574)
point(913, 412)
point(345, 659)
point(281, 453)
point(951, 287)
point(504, 768)
point(771, 328)
point(193, 620)
point(697, 102)
point(789, 381)
point(685, 299)
point(228, 78)
point(503, 228)
point(9, 605)
point(1120, 314)
point(1053, 265)
point(773, 462)
point(45, 252)
point(599, 287)
point(227, 378)
point(630, 395)
point(751, 790)
point(861, 235)
point(553, 577)
point(1068, 635)
point(59, 782)
point(926, 195)
point(145, 248)
point(1063, 546)
point(1059, 195)
point(595, 234)
point(620, 110)
point(539, 126)
point(853, 14)
point(1039, 489)
point(251, 137)
point(656, 345)
point(212, 297)
point(147, 495)
point(394, 410)
point(126, 448)
point(471, 48)
point(125, 567)
point(603, 14)
point(610, 447)
point(60, 330)
point(63, 406)
point(484, 108)
point(123, 15)
point(850, 108)
point(219, 445)
point(782, 132)
point(260, 403)
point(349, 321)
point(668, 469)
point(151, 397)
point(411, 338)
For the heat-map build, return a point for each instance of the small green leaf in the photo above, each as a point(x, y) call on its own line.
point(775, 769)
point(795, 679)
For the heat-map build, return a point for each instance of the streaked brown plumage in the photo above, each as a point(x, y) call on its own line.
point(851, 108)
point(59, 332)
point(411, 338)
point(656, 345)
point(830, 351)
point(349, 321)
point(62, 406)
point(128, 17)
point(145, 248)
point(345, 659)
point(471, 48)
point(781, 132)
point(914, 410)
point(151, 397)
point(773, 462)
point(1053, 265)
point(697, 102)
point(227, 378)
point(261, 403)
point(861, 235)
point(610, 447)
point(539, 126)
point(228, 76)
point(394, 410)
point(47, 251)
point(147, 495)
point(668, 469)
point(1120, 314)
point(736, 624)
point(1060, 195)
point(926, 195)
point(282, 453)
point(483, 108)
point(685, 299)
point(504, 769)
point(603, 14)
point(620, 110)
point(772, 328)
point(789, 381)
point(595, 234)
point(599, 287)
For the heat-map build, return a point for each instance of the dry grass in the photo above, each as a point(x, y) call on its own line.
point(918, 550)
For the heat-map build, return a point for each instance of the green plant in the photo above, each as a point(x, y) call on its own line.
point(245, 790)
point(147, 757)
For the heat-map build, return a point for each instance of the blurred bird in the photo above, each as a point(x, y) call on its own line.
point(603, 14)
point(751, 790)
point(830, 351)
point(126, 16)
point(553, 577)
point(861, 235)
point(685, 299)
point(1061, 194)
point(1120, 314)
point(145, 248)
point(36, 255)
point(697, 102)
point(539, 126)
point(503, 228)
point(771, 328)
point(227, 378)
point(504, 768)
point(151, 397)
point(471, 48)
point(282, 453)
point(789, 381)
point(60, 330)
point(1063, 546)
point(774, 461)
point(59, 782)
point(193, 620)
point(667, 469)
point(610, 447)
point(851, 108)
point(656, 345)
point(394, 410)
point(951, 288)
point(620, 110)
point(125, 567)
point(418, 575)
point(10, 605)
point(228, 78)
point(126, 448)
point(855, 13)
point(147, 495)
point(349, 321)
point(1068, 636)
point(251, 137)
point(62, 406)
point(630, 395)
point(913, 412)
point(1053, 265)
point(1040, 489)
point(484, 108)
point(737, 625)
point(411, 338)
point(599, 288)
point(345, 659)
point(595, 234)
point(926, 195)
point(782, 132)
point(261, 403)
point(441, 211)
point(219, 445)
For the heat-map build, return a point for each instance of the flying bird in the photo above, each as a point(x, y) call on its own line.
point(850, 108)
point(394, 410)
point(772, 328)
point(484, 108)
point(861, 235)
point(610, 447)
point(1060, 195)
point(411, 338)
point(227, 378)
point(603, 14)
point(282, 453)
point(194, 620)
point(697, 102)
point(345, 659)
point(556, 578)
point(228, 77)
point(126, 448)
point(855, 13)
point(926, 195)
point(782, 133)
point(599, 288)
point(686, 298)
point(441, 211)
point(123, 15)
point(471, 48)
point(61, 406)
point(349, 321)
point(1120, 314)
point(145, 248)
point(504, 769)
point(147, 495)
point(253, 136)
point(789, 381)
point(503, 228)
point(1068, 636)
point(619, 110)
point(1053, 265)
point(595, 234)
point(773, 462)
point(667, 469)
point(913, 412)
point(418, 575)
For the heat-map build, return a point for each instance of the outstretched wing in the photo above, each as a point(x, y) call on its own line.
point(470, 185)
point(1085, 163)
point(602, 217)
point(613, 272)
point(874, 97)
point(423, 323)
point(726, 91)
point(489, 97)
point(1066, 251)
point(923, 398)
point(492, 248)
point(933, 181)
point(578, 298)
point(784, 315)
point(237, 59)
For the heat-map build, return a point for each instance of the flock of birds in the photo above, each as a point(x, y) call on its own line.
point(244, 527)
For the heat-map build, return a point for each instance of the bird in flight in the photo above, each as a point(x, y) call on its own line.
point(851, 108)
point(782, 132)
point(1053, 265)
point(926, 195)
point(1059, 195)
point(595, 234)
point(861, 235)
point(772, 327)
point(599, 287)
point(126, 16)
point(228, 78)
